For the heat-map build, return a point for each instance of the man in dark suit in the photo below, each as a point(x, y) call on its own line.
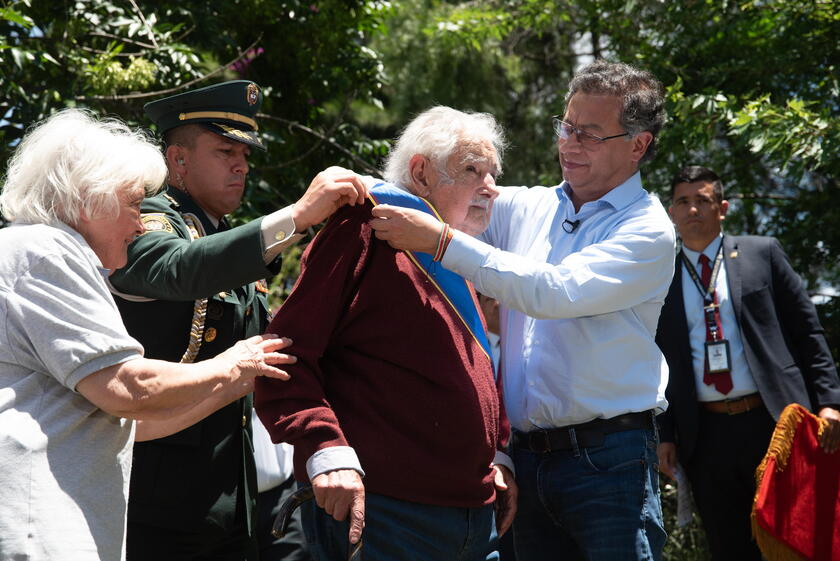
point(191, 287)
point(742, 340)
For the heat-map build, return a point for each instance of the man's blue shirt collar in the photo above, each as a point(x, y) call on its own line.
point(619, 197)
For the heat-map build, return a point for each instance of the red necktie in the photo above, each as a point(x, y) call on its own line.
point(721, 380)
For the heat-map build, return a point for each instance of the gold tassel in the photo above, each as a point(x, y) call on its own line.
point(771, 548)
point(779, 450)
point(782, 440)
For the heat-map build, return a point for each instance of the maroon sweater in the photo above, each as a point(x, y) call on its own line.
point(387, 367)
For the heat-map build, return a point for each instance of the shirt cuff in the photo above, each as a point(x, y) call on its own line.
point(278, 233)
point(503, 459)
point(464, 255)
point(331, 459)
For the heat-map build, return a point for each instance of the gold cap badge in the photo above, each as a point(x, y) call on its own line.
point(252, 94)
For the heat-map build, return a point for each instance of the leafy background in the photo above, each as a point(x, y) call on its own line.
point(752, 92)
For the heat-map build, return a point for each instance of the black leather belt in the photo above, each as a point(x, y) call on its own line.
point(587, 434)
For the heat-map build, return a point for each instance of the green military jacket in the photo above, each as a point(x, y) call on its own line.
point(202, 478)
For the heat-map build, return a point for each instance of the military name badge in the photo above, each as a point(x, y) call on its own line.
point(156, 222)
point(717, 356)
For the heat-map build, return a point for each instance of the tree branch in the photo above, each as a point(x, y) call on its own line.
point(183, 86)
point(823, 295)
point(101, 52)
point(180, 38)
point(367, 167)
point(320, 140)
point(123, 39)
point(146, 23)
point(762, 196)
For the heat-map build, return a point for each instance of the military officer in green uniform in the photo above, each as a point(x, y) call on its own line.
point(192, 287)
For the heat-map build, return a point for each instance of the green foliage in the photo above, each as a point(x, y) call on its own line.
point(752, 87)
point(802, 135)
point(108, 75)
point(282, 284)
point(686, 543)
point(84, 53)
point(752, 90)
point(310, 57)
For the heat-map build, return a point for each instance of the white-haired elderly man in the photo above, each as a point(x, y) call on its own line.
point(71, 378)
point(394, 381)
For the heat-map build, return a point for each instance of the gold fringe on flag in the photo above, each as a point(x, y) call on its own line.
point(779, 451)
point(781, 441)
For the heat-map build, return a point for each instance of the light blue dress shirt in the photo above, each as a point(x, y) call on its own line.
point(578, 310)
point(742, 380)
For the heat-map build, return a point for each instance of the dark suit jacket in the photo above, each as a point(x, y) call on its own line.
point(783, 341)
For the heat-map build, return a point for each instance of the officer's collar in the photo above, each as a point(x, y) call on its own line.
point(185, 203)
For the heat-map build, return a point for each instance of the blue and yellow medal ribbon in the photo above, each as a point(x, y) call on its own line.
point(454, 288)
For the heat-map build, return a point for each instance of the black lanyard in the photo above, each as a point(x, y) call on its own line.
point(707, 292)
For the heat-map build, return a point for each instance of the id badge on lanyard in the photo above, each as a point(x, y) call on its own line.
point(717, 356)
point(717, 350)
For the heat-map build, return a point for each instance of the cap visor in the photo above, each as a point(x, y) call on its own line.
point(246, 137)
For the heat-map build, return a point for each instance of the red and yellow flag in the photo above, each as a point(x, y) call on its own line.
point(796, 512)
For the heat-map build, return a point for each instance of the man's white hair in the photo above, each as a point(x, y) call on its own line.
point(436, 133)
point(72, 162)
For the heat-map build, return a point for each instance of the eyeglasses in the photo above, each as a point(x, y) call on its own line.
point(565, 130)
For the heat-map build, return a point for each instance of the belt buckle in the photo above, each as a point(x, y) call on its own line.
point(742, 400)
point(538, 441)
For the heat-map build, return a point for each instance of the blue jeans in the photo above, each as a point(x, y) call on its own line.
point(405, 531)
point(590, 504)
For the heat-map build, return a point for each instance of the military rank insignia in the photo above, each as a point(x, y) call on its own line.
point(235, 132)
point(156, 222)
point(261, 286)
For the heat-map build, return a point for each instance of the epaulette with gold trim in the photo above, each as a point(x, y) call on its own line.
point(172, 200)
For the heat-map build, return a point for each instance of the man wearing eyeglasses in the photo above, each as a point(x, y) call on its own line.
point(581, 271)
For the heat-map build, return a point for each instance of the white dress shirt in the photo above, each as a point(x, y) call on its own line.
point(742, 380)
point(578, 310)
point(278, 232)
point(495, 349)
point(273, 461)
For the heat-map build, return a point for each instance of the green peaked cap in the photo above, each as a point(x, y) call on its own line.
point(228, 109)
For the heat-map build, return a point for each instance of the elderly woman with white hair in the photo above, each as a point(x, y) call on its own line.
point(72, 381)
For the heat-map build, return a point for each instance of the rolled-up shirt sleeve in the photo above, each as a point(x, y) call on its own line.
point(331, 459)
